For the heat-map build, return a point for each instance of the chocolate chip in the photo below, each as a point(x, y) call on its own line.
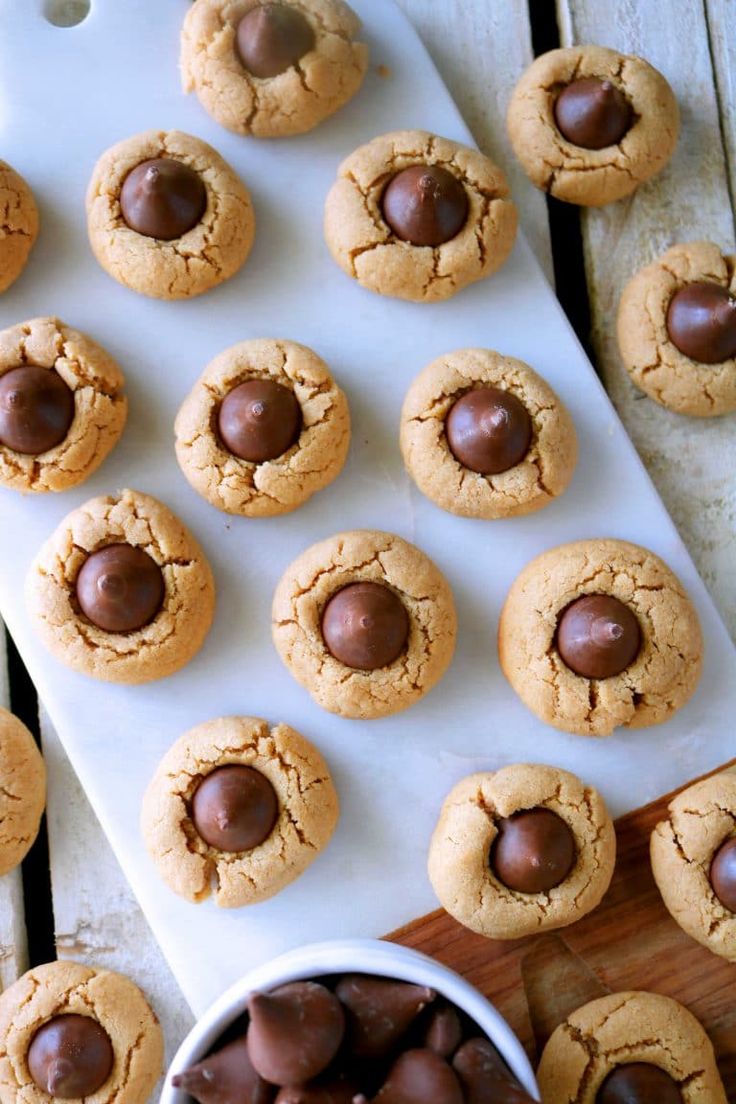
point(120, 588)
point(379, 1011)
point(70, 1056)
point(485, 1077)
point(234, 808)
point(639, 1083)
point(489, 430)
point(701, 322)
point(420, 1077)
point(723, 874)
point(598, 637)
point(443, 1033)
point(533, 852)
point(271, 38)
point(425, 205)
point(593, 113)
point(329, 1089)
point(295, 1032)
point(36, 409)
point(162, 198)
point(225, 1077)
point(259, 420)
point(365, 626)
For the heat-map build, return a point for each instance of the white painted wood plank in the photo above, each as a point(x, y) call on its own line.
point(480, 48)
point(721, 17)
point(13, 948)
point(692, 461)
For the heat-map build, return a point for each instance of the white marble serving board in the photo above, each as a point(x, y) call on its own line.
point(67, 94)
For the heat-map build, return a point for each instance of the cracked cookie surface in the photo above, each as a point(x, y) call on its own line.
point(365, 247)
point(22, 791)
point(592, 177)
point(100, 407)
point(274, 486)
point(18, 225)
point(364, 555)
point(178, 630)
point(541, 476)
point(622, 1028)
point(653, 361)
point(292, 102)
point(211, 252)
point(61, 988)
point(308, 811)
point(700, 820)
point(459, 855)
point(662, 677)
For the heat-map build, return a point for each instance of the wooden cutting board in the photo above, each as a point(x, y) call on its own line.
point(629, 942)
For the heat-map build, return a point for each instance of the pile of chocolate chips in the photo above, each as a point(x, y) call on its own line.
point(353, 1039)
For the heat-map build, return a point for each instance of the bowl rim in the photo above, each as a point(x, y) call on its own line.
point(364, 956)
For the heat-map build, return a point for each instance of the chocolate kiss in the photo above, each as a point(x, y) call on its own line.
point(295, 1032)
point(420, 1077)
point(444, 1032)
point(485, 1076)
point(225, 1077)
point(380, 1011)
point(335, 1089)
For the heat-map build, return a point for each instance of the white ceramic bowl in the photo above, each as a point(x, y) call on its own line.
point(364, 956)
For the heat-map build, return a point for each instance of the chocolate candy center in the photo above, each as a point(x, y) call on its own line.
point(295, 1032)
point(598, 636)
point(70, 1057)
point(489, 430)
point(36, 409)
point(259, 420)
point(639, 1083)
point(271, 38)
point(425, 205)
point(365, 626)
point(592, 113)
point(723, 875)
point(120, 588)
point(234, 808)
point(162, 198)
point(701, 322)
point(533, 852)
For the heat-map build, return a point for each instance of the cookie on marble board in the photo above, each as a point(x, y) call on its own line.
point(263, 429)
point(365, 622)
point(484, 436)
point(238, 808)
point(590, 125)
point(524, 849)
point(18, 224)
point(600, 634)
point(419, 217)
point(167, 216)
point(694, 862)
point(630, 1046)
point(121, 591)
point(73, 1032)
point(677, 329)
point(62, 406)
point(22, 791)
point(272, 69)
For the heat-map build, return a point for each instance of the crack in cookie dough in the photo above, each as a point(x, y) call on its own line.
point(18, 225)
point(623, 1028)
point(22, 791)
point(459, 867)
point(158, 649)
point(211, 252)
point(360, 556)
point(541, 476)
point(275, 486)
point(364, 246)
point(592, 177)
point(61, 988)
point(308, 811)
point(295, 101)
point(664, 674)
point(653, 361)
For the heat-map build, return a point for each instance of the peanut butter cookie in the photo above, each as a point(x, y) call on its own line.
point(419, 217)
point(122, 591)
point(22, 791)
point(598, 634)
point(263, 429)
point(18, 225)
point(484, 436)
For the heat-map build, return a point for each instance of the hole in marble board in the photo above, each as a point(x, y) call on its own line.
point(66, 13)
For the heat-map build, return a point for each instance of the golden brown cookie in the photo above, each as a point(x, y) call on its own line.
point(545, 443)
point(655, 363)
point(112, 1002)
point(659, 680)
point(96, 414)
point(22, 791)
point(18, 225)
point(262, 488)
point(701, 822)
point(305, 812)
point(619, 1030)
point(279, 93)
point(580, 174)
point(200, 258)
point(487, 874)
point(365, 246)
point(174, 587)
point(418, 592)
